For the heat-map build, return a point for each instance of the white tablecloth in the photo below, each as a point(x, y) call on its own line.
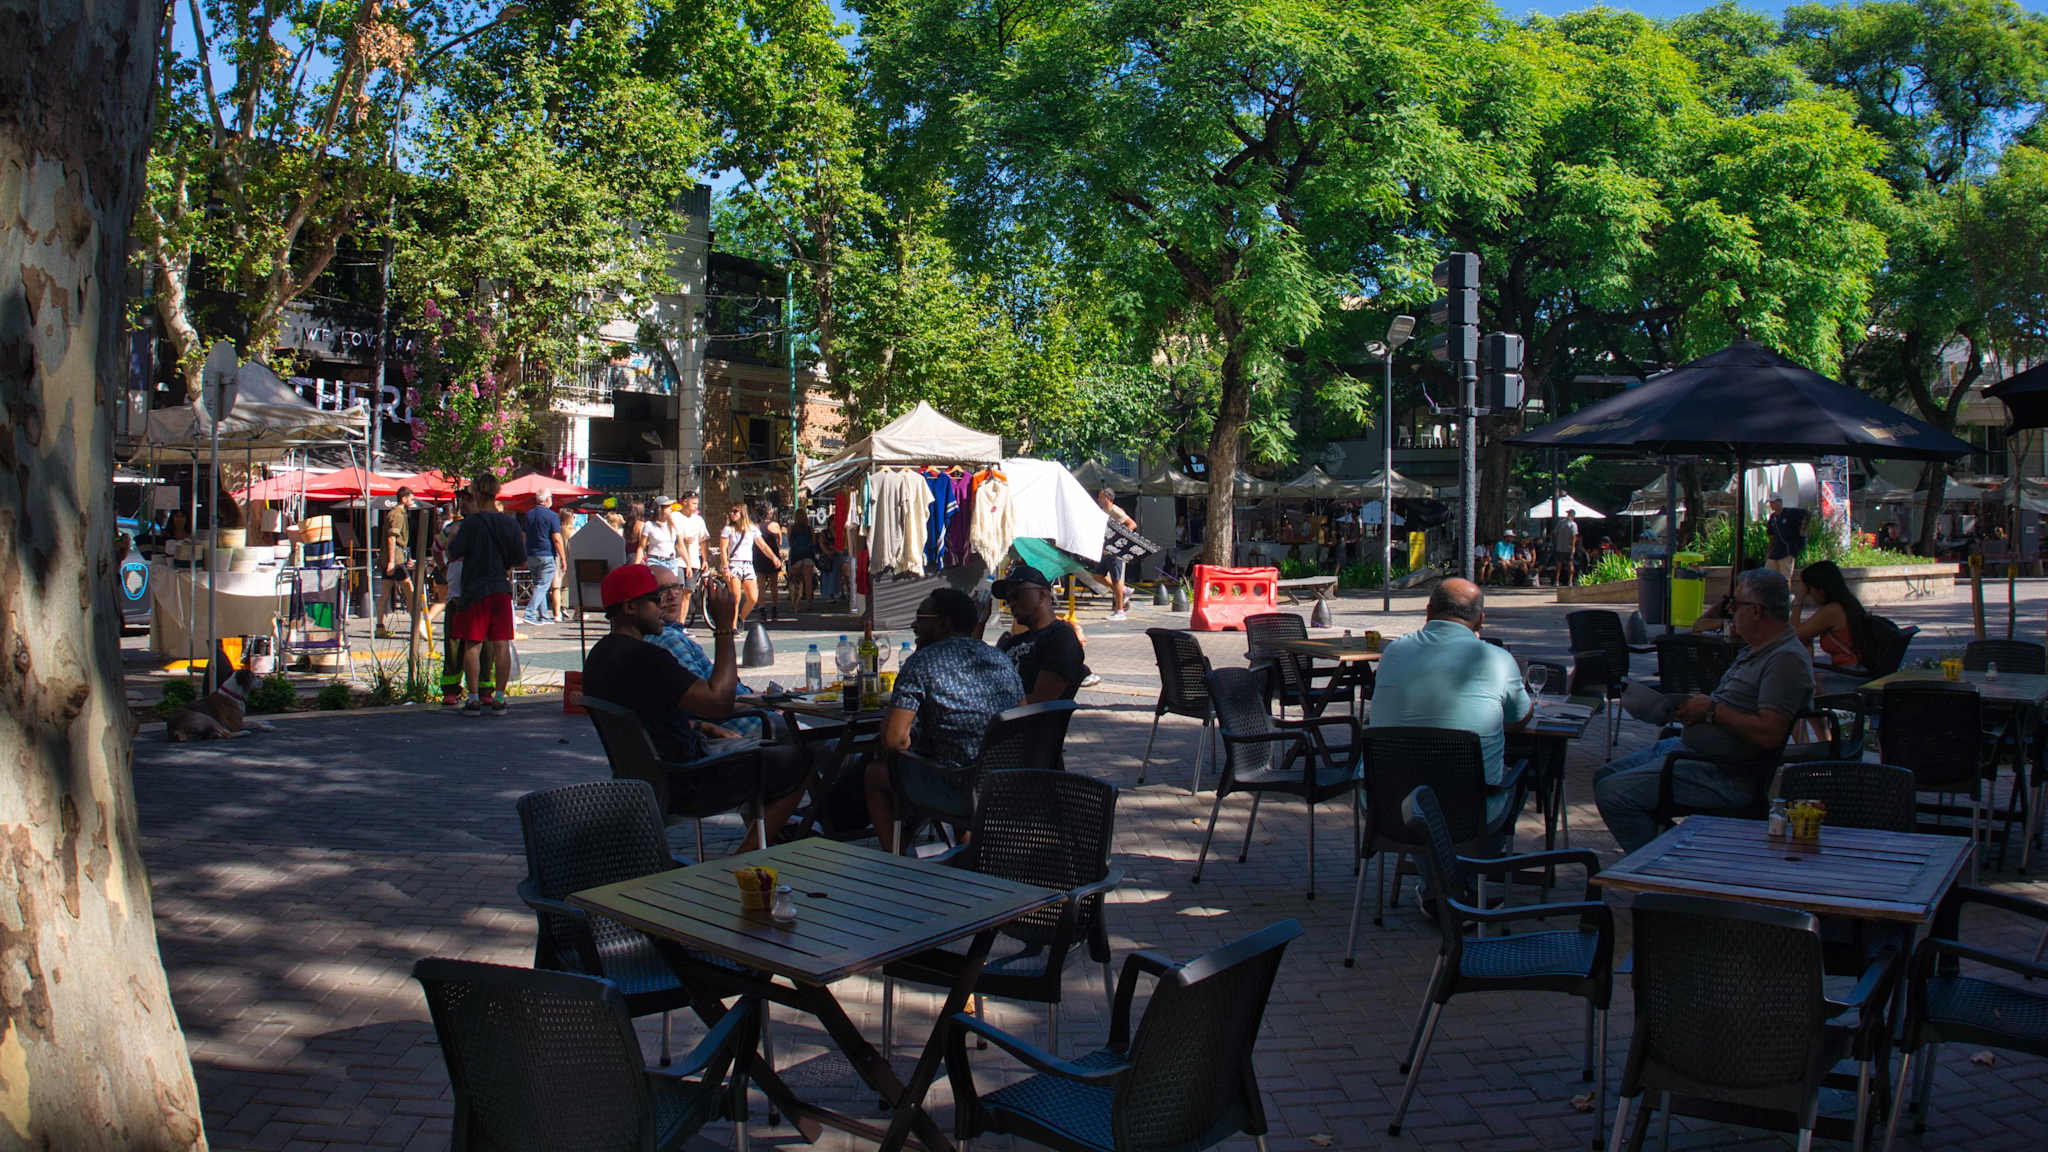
point(247, 605)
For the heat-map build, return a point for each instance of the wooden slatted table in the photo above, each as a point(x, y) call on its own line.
point(1858, 873)
point(857, 909)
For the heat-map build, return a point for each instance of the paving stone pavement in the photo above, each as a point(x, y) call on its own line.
point(299, 874)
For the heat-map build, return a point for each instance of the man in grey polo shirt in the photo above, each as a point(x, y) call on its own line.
point(1743, 722)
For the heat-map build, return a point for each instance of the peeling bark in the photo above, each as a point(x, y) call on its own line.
point(91, 1056)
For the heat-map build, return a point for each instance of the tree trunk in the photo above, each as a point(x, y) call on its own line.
point(91, 1056)
point(1936, 479)
point(1233, 408)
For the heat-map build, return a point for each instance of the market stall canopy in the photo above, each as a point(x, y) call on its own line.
point(1251, 487)
point(1047, 503)
point(920, 436)
point(1402, 487)
point(522, 492)
point(1371, 512)
point(1095, 477)
point(269, 419)
point(2025, 395)
point(1748, 402)
point(1566, 505)
point(1316, 484)
point(1171, 482)
point(340, 484)
point(1878, 490)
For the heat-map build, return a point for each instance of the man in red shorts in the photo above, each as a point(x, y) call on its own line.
point(490, 545)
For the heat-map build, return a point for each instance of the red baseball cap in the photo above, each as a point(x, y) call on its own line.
point(626, 582)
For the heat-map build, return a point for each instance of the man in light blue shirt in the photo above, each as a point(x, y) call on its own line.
point(1445, 676)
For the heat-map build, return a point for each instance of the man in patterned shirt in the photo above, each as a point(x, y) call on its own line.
point(946, 694)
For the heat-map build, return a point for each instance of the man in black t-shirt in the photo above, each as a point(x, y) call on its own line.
point(626, 670)
point(1786, 529)
point(1046, 650)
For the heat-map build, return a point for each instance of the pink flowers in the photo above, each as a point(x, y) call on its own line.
point(433, 312)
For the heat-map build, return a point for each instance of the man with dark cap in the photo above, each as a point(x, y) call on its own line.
point(625, 669)
point(1045, 650)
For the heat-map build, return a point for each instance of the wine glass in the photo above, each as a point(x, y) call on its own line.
point(1537, 677)
point(884, 650)
point(849, 662)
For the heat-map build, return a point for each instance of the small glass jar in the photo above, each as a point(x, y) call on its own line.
point(1991, 670)
point(1779, 819)
point(783, 911)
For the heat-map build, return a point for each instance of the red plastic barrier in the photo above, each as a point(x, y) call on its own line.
point(1225, 596)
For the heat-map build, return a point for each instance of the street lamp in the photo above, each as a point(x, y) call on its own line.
point(1398, 333)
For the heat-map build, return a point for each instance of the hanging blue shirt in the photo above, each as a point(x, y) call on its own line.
point(944, 508)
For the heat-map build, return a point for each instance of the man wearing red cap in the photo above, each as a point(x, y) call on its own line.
point(627, 670)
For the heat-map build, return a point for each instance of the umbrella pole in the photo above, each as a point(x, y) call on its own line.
point(1670, 542)
point(1741, 518)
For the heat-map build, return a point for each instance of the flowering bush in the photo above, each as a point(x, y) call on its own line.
point(471, 413)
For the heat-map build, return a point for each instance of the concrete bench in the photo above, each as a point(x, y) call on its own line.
point(1320, 587)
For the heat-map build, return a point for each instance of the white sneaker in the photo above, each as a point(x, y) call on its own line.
point(1090, 680)
point(1118, 616)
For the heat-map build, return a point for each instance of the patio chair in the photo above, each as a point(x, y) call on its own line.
point(1600, 657)
point(1858, 795)
point(1052, 829)
point(1944, 1006)
point(1296, 685)
point(1397, 761)
point(690, 790)
point(315, 616)
point(1183, 691)
point(2010, 656)
point(1688, 663)
point(1757, 772)
point(1185, 1081)
point(1577, 961)
point(1729, 1011)
point(586, 836)
point(1029, 736)
point(2031, 761)
point(549, 1060)
point(1262, 755)
point(1935, 730)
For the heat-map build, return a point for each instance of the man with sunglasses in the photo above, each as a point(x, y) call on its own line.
point(625, 669)
point(1729, 734)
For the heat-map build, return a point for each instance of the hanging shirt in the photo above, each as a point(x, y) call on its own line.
point(942, 511)
point(958, 522)
point(994, 521)
point(901, 506)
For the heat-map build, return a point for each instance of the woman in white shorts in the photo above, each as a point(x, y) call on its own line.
point(739, 538)
point(657, 543)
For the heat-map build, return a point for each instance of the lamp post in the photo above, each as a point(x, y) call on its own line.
point(1398, 333)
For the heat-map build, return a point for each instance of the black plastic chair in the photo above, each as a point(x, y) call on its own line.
point(2023, 656)
point(1688, 663)
point(1288, 685)
point(1029, 737)
point(1183, 691)
point(694, 790)
point(1858, 794)
point(1935, 731)
point(1051, 829)
point(1577, 962)
point(1729, 1010)
point(1397, 761)
point(585, 836)
point(542, 1060)
point(2029, 767)
point(1262, 755)
point(1943, 1006)
point(1600, 658)
point(1185, 1081)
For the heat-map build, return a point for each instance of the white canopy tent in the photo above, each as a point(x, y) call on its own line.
point(1316, 484)
point(1093, 476)
point(1047, 503)
point(269, 420)
point(1566, 505)
point(1397, 486)
point(1171, 482)
point(921, 436)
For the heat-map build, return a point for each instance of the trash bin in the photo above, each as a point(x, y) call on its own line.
point(1688, 588)
point(1650, 593)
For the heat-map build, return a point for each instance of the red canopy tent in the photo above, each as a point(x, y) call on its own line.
point(522, 492)
point(345, 484)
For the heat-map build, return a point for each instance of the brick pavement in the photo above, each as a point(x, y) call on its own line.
point(299, 874)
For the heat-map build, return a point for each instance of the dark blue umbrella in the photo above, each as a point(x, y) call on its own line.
point(1750, 403)
point(2026, 398)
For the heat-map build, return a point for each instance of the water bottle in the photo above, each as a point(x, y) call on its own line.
point(814, 670)
point(903, 656)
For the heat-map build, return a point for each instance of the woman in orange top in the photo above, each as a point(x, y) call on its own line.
point(1830, 615)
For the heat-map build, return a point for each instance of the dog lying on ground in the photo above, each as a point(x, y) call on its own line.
point(220, 715)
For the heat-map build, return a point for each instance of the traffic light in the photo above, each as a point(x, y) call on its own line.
point(1500, 371)
point(1457, 310)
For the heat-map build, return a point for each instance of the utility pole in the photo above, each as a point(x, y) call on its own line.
point(1457, 313)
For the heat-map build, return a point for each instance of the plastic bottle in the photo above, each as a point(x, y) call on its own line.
point(902, 656)
point(814, 670)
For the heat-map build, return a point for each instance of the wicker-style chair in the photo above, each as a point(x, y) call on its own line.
point(1300, 685)
point(694, 790)
point(1027, 737)
point(1944, 1006)
point(1397, 761)
point(1183, 691)
point(1184, 1081)
point(585, 836)
point(1265, 756)
point(1052, 829)
point(1729, 1010)
point(1577, 961)
point(544, 1060)
point(1935, 730)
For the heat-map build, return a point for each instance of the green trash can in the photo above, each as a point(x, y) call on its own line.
point(1688, 588)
